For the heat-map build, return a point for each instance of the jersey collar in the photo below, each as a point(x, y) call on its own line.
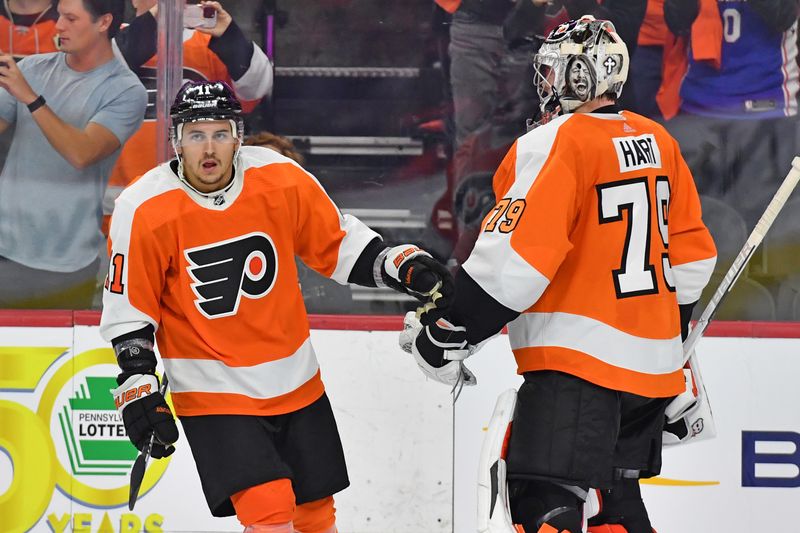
point(217, 200)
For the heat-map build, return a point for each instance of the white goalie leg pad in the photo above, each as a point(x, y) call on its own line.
point(494, 511)
point(591, 506)
point(694, 417)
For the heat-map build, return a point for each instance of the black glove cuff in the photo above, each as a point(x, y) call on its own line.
point(134, 356)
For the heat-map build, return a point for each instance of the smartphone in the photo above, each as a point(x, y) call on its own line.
point(197, 16)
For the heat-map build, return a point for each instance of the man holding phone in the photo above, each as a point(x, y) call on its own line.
point(214, 48)
point(72, 110)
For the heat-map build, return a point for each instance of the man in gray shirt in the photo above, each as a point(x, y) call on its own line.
point(73, 111)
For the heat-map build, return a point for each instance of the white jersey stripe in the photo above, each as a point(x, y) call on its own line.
point(597, 339)
point(493, 263)
point(261, 381)
point(691, 278)
point(256, 82)
point(119, 315)
point(357, 236)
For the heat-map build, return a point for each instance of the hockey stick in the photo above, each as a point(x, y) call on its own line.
point(139, 466)
point(755, 238)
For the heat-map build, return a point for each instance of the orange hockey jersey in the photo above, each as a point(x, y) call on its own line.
point(216, 277)
point(28, 34)
point(595, 239)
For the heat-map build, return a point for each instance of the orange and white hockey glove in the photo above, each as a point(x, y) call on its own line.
point(409, 269)
point(143, 408)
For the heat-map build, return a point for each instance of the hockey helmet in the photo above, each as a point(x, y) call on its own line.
point(206, 101)
point(579, 61)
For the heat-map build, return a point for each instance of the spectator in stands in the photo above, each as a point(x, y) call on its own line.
point(737, 103)
point(487, 79)
point(491, 46)
point(218, 53)
point(647, 60)
point(27, 27)
point(73, 111)
point(280, 144)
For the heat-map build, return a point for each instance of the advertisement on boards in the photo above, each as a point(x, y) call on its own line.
point(746, 479)
point(65, 459)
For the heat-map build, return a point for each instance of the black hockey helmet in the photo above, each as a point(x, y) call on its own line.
point(206, 100)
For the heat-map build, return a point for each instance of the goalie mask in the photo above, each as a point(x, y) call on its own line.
point(204, 101)
point(579, 61)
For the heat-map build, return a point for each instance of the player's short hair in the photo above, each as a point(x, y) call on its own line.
point(98, 8)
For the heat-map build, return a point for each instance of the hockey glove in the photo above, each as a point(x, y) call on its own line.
point(408, 269)
point(439, 350)
point(143, 408)
point(144, 412)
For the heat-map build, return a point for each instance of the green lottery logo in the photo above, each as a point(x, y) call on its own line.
point(94, 434)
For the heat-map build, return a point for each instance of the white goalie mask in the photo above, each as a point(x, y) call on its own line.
point(579, 61)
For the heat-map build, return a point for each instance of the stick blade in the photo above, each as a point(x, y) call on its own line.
point(137, 475)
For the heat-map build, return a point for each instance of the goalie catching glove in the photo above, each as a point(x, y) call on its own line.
point(143, 408)
point(439, 349)
point(408, 269)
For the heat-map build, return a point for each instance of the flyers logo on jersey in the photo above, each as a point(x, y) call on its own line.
point(635, 153)
point(225, 271)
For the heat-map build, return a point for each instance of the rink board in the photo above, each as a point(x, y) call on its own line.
point(64, 462)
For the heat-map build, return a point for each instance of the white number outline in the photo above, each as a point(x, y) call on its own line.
point(636, 276)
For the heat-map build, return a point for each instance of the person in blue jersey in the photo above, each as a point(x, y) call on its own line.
point(737, 119)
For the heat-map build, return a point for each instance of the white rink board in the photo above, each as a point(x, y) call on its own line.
point(753, 386)
point(397, 433)
point(395, 427)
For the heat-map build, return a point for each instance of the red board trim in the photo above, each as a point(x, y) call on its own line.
point(65, 318)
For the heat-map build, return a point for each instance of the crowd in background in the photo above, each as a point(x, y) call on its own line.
point(79, 124)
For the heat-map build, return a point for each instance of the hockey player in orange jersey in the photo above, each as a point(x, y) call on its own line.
point(594, 255)
point(202, 253)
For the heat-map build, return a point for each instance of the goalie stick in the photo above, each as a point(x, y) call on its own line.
point(139, 466)
point(755, 238)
